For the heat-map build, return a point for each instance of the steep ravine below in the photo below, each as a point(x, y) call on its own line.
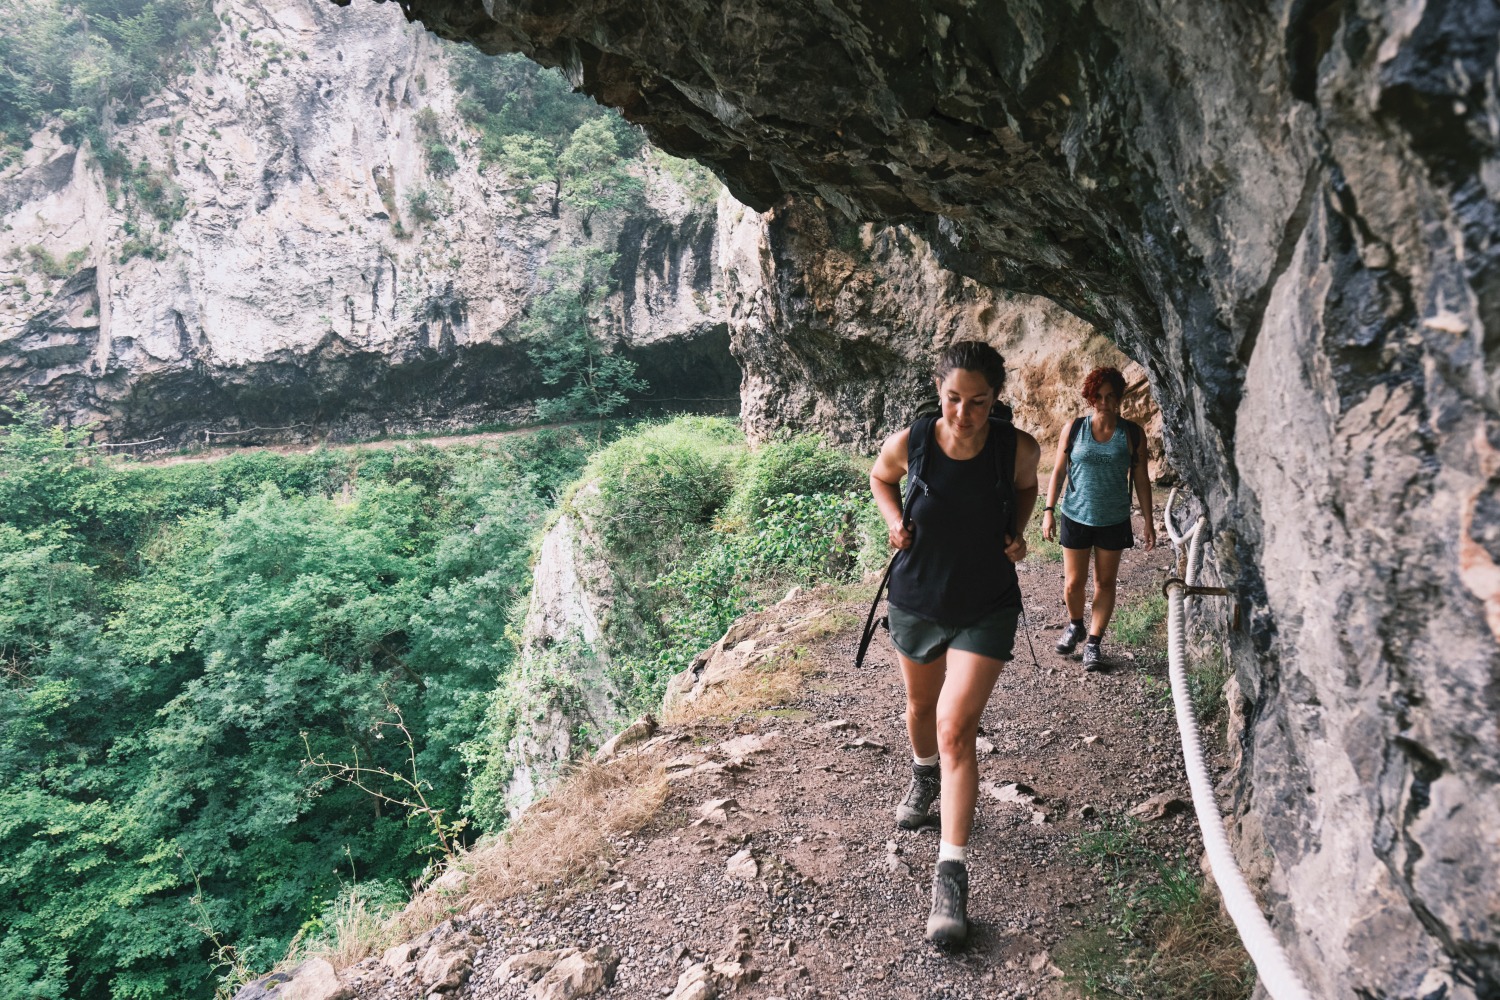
point(1287, 215)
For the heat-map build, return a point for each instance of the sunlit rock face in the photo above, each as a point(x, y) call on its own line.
point(300, 293)
point(1288, 215)
point(837, 326)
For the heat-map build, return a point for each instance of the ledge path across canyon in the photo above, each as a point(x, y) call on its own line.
point(801, 885)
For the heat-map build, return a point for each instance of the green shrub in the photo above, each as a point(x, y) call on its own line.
point(802, 466)
point(654, 490)
point(424, 205)
point(170, 634)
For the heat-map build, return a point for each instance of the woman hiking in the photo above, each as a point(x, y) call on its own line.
point(1101, 456)
point(954, 596)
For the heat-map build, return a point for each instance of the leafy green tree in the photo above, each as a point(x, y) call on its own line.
point(531, 160)
point(593, 175)
point(530, 119)
point(167, 636)
point(73, 60)
point(592, 382)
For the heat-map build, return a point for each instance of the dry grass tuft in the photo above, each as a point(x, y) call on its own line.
point(563, 837)
point(560, 840)
point(778, 681)
point(1199, 955)
point(353, 928)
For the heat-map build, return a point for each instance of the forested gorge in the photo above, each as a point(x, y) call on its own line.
point(183, 646)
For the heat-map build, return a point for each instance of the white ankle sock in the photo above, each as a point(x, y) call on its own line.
point(926, 761)
point(952, 852)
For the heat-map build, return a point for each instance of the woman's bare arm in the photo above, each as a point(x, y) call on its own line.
point(1141, 474)
point(1055, 485)
point(885, 485)
point(1028, 454)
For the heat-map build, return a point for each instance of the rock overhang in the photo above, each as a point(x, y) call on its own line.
point(1285, 213)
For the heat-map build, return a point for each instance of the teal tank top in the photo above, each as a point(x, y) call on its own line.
point(1098, 490)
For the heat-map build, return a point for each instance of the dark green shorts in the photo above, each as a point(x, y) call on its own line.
point(922, 641)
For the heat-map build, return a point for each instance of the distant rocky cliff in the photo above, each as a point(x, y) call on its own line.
point(266, 275)
point(837, 326)
point(267, 267)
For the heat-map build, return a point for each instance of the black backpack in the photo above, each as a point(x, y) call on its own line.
point(919, 442)
point(1134, 437)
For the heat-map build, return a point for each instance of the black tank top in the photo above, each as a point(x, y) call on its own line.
point(956, 570)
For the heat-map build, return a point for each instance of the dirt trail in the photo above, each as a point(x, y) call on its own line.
point(836, 899)
point(382, 444)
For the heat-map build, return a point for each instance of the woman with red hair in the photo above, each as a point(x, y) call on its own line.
point(1100, 457)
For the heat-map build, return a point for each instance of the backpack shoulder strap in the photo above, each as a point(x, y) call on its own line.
point(1005, 454)
point(1004, 433)
point(918, 440)
point(1133, 434)
point(1073, 430)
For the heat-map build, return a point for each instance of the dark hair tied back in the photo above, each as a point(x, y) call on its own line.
point(973, 356)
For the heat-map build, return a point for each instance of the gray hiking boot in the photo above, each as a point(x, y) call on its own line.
point(948, 923)
point(926, 781)
point(1092, 658)
point(1071, 637)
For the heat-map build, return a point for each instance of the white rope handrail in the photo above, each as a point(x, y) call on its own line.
point(1271, 963)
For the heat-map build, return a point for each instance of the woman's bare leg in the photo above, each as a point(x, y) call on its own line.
point(924, 682)
point(971, 679)
point(1075, 578)
point(1106, 572)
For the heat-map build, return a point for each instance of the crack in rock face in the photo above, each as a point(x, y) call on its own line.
point(1289, 216)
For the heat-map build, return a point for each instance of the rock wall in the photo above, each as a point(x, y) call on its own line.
point(837, 325)
point(564, 699)
point(298, 290)
point(1288, 214)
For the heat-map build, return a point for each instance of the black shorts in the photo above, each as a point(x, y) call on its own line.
point(1085, 536)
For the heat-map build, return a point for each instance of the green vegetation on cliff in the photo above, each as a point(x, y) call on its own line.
point(692, 529)
point(75, 60)
point(537, 130)
point(167, 636)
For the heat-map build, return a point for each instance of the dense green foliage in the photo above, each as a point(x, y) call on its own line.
point(699, 530)
point(538, 131)
point(177, 643)
point(167, 636)
point(75, 59)
point(587, 380)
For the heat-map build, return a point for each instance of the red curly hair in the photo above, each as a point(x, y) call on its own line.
point(1098, 378)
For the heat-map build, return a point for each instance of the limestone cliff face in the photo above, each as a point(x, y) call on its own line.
point(301, 288)
point(1288, 214)
point(563, 697)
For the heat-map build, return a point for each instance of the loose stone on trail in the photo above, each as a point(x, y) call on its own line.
point(1159, 807)
point(742, 866)
point(1014, 793)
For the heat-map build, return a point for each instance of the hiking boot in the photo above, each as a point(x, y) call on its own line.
point(926, 781)
point(948, 923)
point(1071, 637)
point(1093, 659)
